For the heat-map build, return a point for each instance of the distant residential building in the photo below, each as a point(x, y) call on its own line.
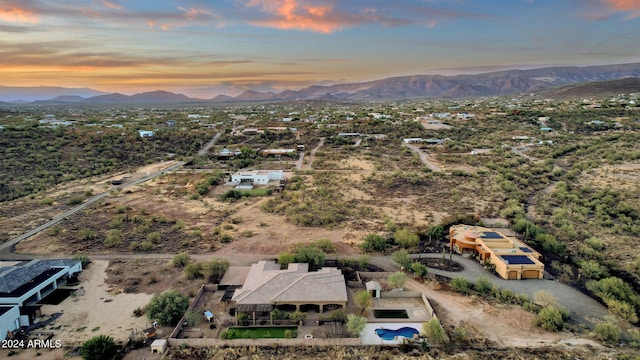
point(146, 133)
point(276, 152)
point(260, 177)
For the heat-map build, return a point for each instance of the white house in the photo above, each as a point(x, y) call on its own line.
point(146, 133)
point(260, 177)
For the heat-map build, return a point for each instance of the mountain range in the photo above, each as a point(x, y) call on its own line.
point(394, 88)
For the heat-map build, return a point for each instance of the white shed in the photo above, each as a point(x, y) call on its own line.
point(159, 346)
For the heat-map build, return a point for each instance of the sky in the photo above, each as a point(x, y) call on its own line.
point(205, 48)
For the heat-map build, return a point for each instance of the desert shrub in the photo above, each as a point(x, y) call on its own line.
point(595, 243)
point(550, 318)
point(622, 309)
point(434, 331)
point(614, 288)
point(193, 271)
point(607, 332)
point(545, 298)
point(114, 238)
point(101, 347)
point(167, 307)
point(483, 286)
point(397, 279)
point(153, 237)
point(286, 258)
point(86, 234)
point(461, 285)
point(373, 242)
point(290, 333)
point(355, 324)
point(364, 261)
point(406, 238)
point(325, 245)
point(146, 246)
point(402, 258)
point(419, 269)
point(592, 269)
point(84, 260)
point(225, 237)
point(550, 243)
point(180, 260)
point(47, 201)
point(75, 200)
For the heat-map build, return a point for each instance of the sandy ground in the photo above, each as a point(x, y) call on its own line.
point(96, 309)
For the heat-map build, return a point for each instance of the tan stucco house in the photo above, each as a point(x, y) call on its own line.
point(513, 259)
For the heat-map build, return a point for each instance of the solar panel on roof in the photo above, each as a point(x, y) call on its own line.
point(525, 249)
point(491, 235)
point(517, 260)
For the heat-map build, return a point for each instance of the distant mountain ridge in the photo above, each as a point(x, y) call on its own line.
point(30, 94)
point(394, 88)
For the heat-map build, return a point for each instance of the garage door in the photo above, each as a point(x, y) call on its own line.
point(531, 274)
point(513, 275)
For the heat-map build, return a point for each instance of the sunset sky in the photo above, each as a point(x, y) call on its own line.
point(204, 48)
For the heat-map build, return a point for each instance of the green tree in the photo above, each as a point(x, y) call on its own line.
point(214, 270)
point(550, 318)
point(101, 347)
point(397, 279)
point(406, 238)
point(435, 232)
point(373, 242)
point(167, 307)
point(402, 258)
point(434, 332)
point(363, 300)
point(310, 254)
point(298, 316)
point(355, 324)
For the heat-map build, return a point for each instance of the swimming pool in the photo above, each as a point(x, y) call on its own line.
point(388, 334)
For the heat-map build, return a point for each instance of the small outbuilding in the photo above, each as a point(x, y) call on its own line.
point(158, 346)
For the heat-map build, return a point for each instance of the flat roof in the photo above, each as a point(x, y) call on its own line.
point(29, 285)
point(517, 260)
point(491, 235)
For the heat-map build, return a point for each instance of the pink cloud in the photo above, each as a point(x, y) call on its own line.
point(12, 14)
point(298, 15)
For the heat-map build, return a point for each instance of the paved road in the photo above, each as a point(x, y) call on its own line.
point(11, 243)
point(313, 153)
point(424, 157)
point(583, 308)
point(211, 142)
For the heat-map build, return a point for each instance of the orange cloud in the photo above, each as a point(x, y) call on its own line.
point(112, 5)
point(624, 5)
point(298, 15)
point(632, 6)
point(16, 14)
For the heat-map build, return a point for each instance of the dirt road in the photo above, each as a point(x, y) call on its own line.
point(424, 157)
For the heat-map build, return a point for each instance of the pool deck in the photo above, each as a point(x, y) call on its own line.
point(369, 337)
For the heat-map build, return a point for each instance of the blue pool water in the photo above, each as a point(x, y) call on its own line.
point(388, 334)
